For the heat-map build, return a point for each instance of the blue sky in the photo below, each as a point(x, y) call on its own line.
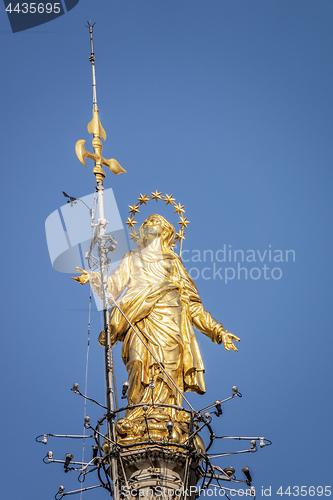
point(227, 105)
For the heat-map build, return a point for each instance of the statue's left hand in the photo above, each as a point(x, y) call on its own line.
point(227, 338)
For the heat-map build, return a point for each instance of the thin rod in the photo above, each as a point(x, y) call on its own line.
point(86, 381)
point(115, 392)
point(84, 464)
point(105, 437)
point(181, 247)
point(72, 436)
point(195, 433)
point(217, 402)
point(233, 453)
point(186, 477)
point(92, 60)
point(241, 438)
point(78, 491)
point(123, 470)
point(109, 367)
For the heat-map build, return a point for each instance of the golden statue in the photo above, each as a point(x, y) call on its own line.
point(161, 301)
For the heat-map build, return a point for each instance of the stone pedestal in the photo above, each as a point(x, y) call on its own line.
point(158, 473)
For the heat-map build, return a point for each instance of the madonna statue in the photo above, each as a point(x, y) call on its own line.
point(161, 301)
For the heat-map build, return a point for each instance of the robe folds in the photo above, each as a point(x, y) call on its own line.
point(159, 298)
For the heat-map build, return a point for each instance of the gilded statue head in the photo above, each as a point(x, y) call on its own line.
point(156, 229)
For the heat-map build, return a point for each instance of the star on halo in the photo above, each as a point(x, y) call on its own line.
point(134, 208)
point(179, 209)
point(183, 221)
point(168, 199)
point(143, 199)
point(156, 196)
point(134, 235)
point(130, 222)
point(180, 235)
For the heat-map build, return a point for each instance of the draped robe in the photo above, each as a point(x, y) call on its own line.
point(162, 302)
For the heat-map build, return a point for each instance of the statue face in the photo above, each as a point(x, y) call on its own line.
point(151, 228)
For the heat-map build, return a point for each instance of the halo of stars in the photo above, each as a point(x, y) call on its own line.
point(157, 196)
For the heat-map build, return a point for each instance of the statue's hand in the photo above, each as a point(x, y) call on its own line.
point(227, 338)
point(83, 278)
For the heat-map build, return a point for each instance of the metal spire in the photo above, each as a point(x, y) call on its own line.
point(92, 60)
point(95, 128)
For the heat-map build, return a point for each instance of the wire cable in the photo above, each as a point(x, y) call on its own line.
point(86, 384)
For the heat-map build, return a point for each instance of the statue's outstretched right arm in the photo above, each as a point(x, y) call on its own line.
point(117, 281)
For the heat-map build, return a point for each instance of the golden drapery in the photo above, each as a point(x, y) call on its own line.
point(162, 302)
